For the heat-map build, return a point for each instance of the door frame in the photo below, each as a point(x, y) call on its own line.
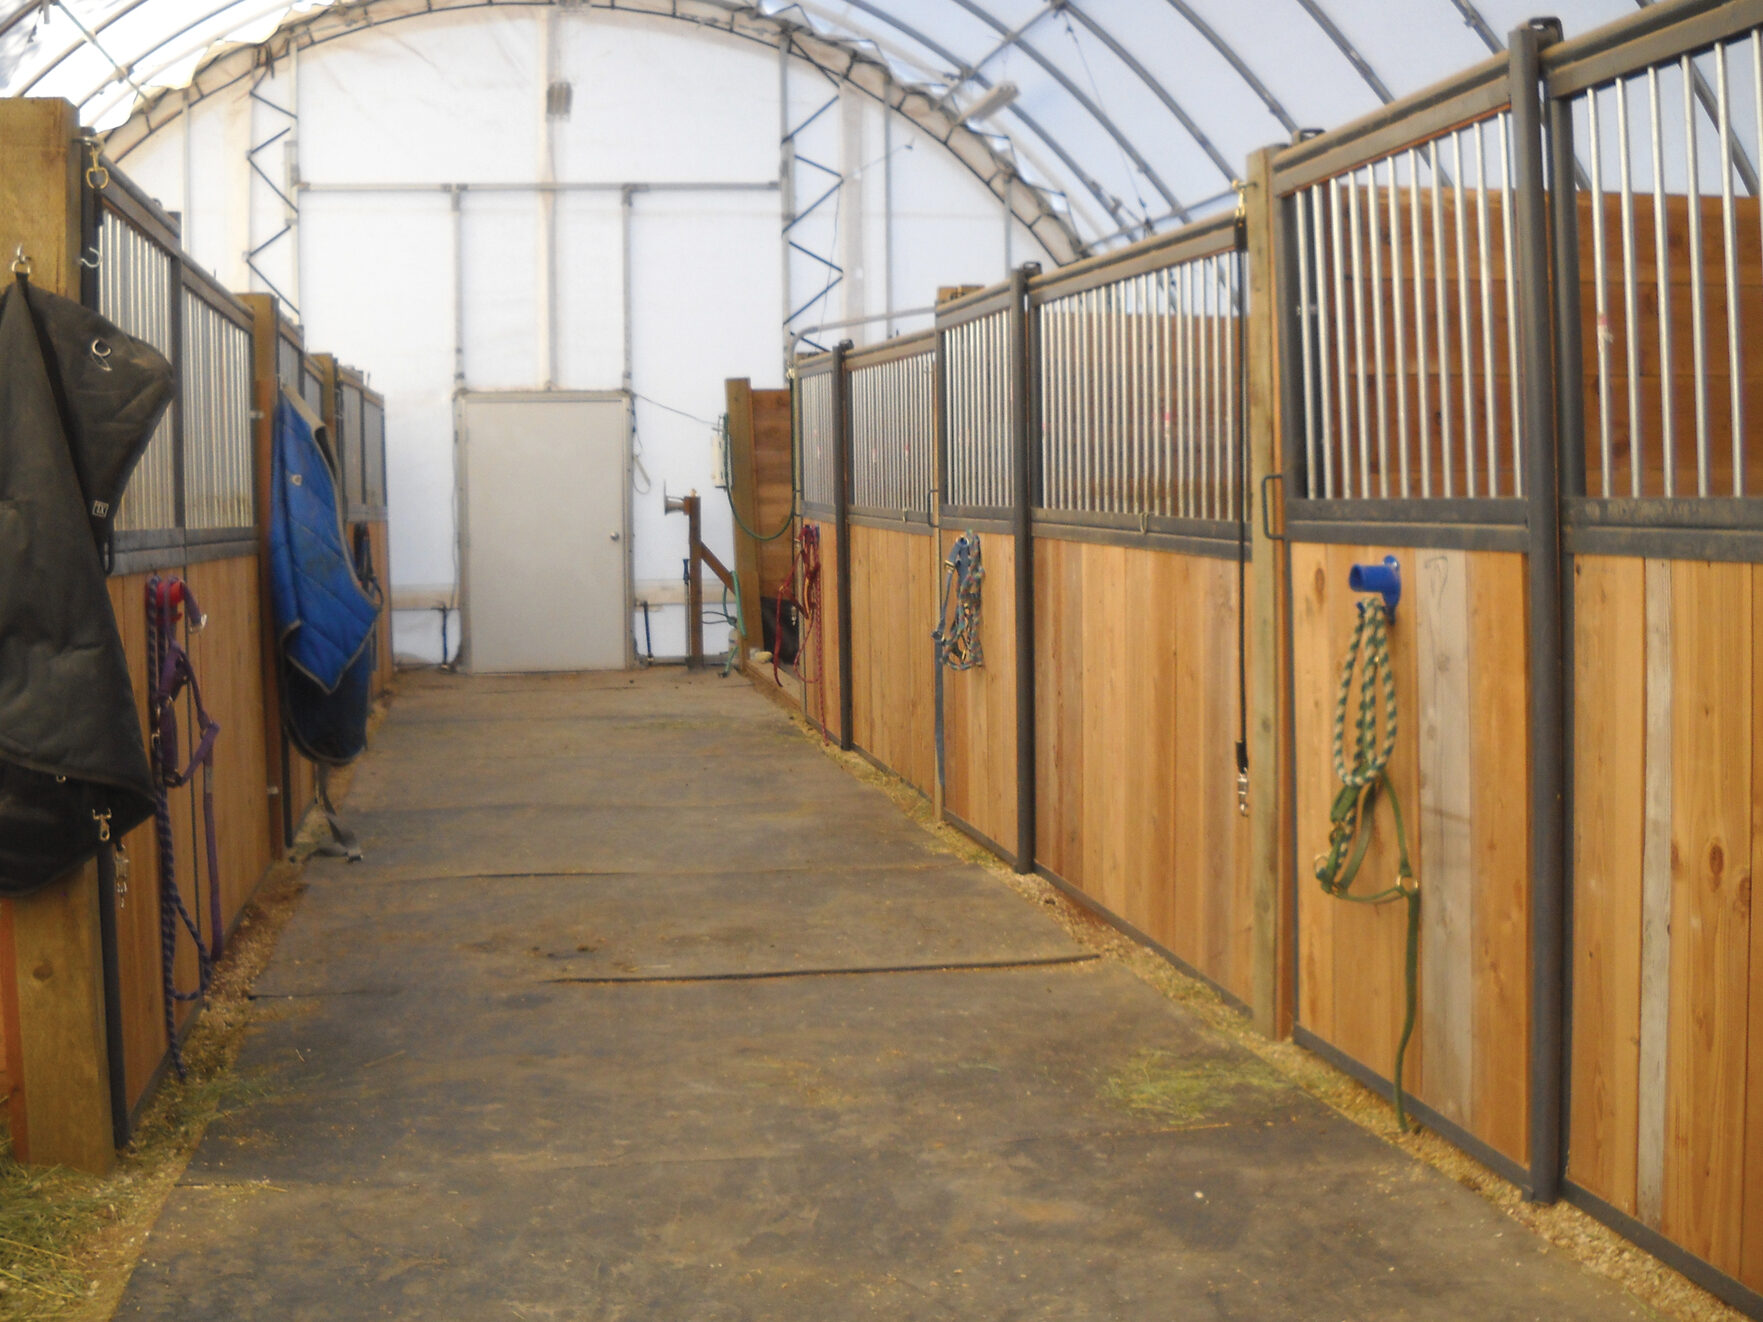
point(462, 502)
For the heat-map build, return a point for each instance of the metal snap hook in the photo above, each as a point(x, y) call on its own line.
point(21, 265)
point(101, 354)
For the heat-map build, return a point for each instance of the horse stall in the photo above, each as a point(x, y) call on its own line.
point(356, 417)
point(1405, 439)
point(893, 557)
point(86, 1028)
point(1140, 575)
point(1662, 531)
point(821, 544)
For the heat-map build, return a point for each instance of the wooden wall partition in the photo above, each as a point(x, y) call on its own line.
point(1461, 769)
point(1666, 1110)
point(979, 707)
point(820, 651)
point(894, 589)
point(1136, 715)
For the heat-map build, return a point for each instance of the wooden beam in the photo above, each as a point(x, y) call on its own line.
point(265, 322)
point(1271, 992)
point(54, 984)
point(743, 490)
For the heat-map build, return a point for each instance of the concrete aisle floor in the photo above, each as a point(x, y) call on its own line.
point(640, 1008)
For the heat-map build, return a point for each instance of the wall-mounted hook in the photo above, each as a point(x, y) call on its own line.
point(91, 263)
point(21, 265)
point(1384, 579)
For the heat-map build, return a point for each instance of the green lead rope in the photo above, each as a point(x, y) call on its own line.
point(1362, 781)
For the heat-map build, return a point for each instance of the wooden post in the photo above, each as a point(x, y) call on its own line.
point(694, 584)
point(53, 986)
point(743, 490)
point(264, 392)
point(1271, 991)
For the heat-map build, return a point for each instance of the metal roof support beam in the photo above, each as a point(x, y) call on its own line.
point(1145, 76)
point(1076, 93)
point(1229, 52)
point(1360, 64)
point(966, 73)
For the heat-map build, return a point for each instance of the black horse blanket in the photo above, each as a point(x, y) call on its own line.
point(79, 400)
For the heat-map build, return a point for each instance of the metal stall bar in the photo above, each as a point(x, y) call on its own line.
point(841, 477)
point(1143, 409)
point(1548, 722)
point(1657, 511)
point(1024, 385)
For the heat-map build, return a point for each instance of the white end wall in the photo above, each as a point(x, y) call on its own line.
point(423, 251)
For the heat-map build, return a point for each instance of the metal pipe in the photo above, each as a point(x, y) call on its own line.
point(1511, 265)
point(1490, 405)
point(1662, 280)
point(1465, 339)
point(841, 448)
point(1301, 204)
point(1422, 368)
point(1441, 309)
point(1630, 294)
point(1698, 322)
point(1374, 241)
point(1601, 294)
point(1548, 719)
point(1729, 242)
point(1325, 405)
point(1400, 328)
point(1569, 320)
point(1024, 571)
point(1341, 367)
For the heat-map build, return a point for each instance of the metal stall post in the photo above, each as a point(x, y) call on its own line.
point(841, 386)
point(1547, 684)
point(1025, 365)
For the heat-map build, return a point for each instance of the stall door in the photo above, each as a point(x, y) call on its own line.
point(543, 499)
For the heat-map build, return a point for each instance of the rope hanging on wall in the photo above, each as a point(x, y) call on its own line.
point(1349, 836)
point(958, 642)
point(169, 676)
point(805, 563)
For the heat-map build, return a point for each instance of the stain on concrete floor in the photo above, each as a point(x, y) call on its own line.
point(639, 1008)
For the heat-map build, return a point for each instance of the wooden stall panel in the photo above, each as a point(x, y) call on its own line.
point(1711, 734)
point(225, 657)
point(1460, 656)
point(1609, 754)
point(979, 705)
point(137, 918)
point(1136, 697)
point(820, 637)
point(893, 670)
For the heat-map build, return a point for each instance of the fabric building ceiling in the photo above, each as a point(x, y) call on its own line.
point(1100, 120)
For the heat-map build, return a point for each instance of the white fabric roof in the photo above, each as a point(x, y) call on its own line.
point(1128, 114)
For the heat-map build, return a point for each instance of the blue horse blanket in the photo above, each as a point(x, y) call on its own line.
point(324, 617)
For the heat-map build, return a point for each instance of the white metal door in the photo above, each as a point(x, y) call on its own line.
point(544, 508)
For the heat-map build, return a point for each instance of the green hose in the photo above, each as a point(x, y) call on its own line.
point(1368, 656)
point(729, 491)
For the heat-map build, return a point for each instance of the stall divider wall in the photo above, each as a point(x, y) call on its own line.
point(356, 416)
point(1661, 545)
point(82, 1037)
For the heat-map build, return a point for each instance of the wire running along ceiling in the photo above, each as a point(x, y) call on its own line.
point(1127, 114)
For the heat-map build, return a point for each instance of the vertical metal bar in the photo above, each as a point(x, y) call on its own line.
point(1729, 239)
point(1400, 329)
point(1374, 239)
point(1548, 720)
point(1698, 307)
point(1147, 434)
point(1601, 295)
point(1166, 484)
point(1203, 401)
point(1422, 368)
point(1325, 405)
point(1024, 577)
point(1466, 339)
point(1508, 278)
point(840, 420)
point(1490, 405)
point(1342, 370)
point(1442, 310)
point(1306, 300)
point(1662, 281)
point(1630, 292)
point(1564, 197)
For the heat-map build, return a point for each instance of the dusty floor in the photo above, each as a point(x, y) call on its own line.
point(638, 1009)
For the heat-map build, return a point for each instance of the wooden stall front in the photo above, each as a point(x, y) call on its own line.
point(979, 705)
point(762, 490)
point(893, 664)
point(1137, 717)
point(820, 635)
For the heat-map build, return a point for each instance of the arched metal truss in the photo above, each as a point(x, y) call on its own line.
point(1081, 160)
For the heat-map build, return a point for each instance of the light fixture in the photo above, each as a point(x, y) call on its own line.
point(995, 99)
